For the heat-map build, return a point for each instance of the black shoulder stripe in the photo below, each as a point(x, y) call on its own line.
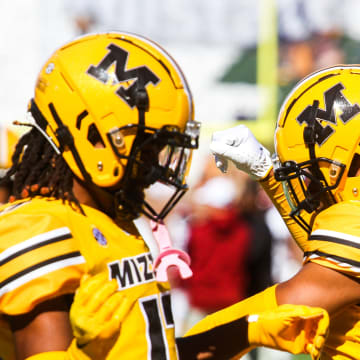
point(41, 264)
point(334, 240)
point(34, 246)
point(337, 258)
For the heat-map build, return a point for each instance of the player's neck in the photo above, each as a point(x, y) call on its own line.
point(83, 195)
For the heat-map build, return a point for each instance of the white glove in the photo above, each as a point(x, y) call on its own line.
point(239, 145)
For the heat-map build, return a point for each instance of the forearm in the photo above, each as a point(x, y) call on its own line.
point(292, 328)
point(95, 323)
point(222, 342)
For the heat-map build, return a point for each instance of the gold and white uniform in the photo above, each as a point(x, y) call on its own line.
point(45, 248)
point(335, 243)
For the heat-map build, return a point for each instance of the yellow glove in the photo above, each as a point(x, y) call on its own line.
point(96, 315)
point(293, 328)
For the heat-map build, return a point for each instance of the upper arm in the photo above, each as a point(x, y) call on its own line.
point(330, 276)
point(39, 260)
point(317, 285)
point(45, 328)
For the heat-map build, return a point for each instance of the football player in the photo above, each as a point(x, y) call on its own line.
point(313, 179)
point(111, 115)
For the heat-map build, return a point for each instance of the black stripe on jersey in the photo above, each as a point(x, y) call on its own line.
point(55, 259)
point(335, 257)
point(335, 240)
point(36, 246)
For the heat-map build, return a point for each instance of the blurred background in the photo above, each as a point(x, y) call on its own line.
point(241, 59)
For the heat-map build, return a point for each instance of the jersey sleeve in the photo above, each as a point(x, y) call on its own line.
point(276, 194)
point(39, 260)
point(335, 239)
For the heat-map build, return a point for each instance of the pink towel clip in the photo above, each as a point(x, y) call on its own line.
point(168, 256)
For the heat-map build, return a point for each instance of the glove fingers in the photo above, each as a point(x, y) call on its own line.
point(110, 306)
point(316, 332)
point(123, 310)
point(323, 327)
point(118, 307)
point(89, 285)
point(236, 133)
point(100, 295)
point(218, 148)
point(317, 324)
point(293, 328)
point(312, 351)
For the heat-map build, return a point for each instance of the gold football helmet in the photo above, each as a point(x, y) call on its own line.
point(118, 109)
point(317, 142)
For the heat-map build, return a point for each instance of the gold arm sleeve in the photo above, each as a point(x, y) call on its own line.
point(275, 192)
point(50, 355)
point(292, 328)
point(265, 300)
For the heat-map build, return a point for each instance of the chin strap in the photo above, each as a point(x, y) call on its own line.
point(62, 134)
point(123, 204)
point(309, 131)
point(310, 138)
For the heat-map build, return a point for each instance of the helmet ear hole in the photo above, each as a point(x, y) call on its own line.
point(94, 136)
point(355, 166)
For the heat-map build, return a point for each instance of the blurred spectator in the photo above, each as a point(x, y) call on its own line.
point(285, 254)
point(205, 21)
point(219, 247)
point(8, 139)
point(299, 58)
point(229, 244)
point(227, 240)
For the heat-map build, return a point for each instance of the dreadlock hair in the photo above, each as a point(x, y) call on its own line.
point(38, 171)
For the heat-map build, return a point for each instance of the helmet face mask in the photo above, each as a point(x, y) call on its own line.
point(119, 110)
point(160, 155)
point(166, 151)
point(317, 142)
point(303, 190)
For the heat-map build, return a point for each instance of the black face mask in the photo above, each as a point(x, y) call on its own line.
point(157, 155)
point(303, 190)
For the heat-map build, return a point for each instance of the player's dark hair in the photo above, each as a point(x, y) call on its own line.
point(38, 171)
